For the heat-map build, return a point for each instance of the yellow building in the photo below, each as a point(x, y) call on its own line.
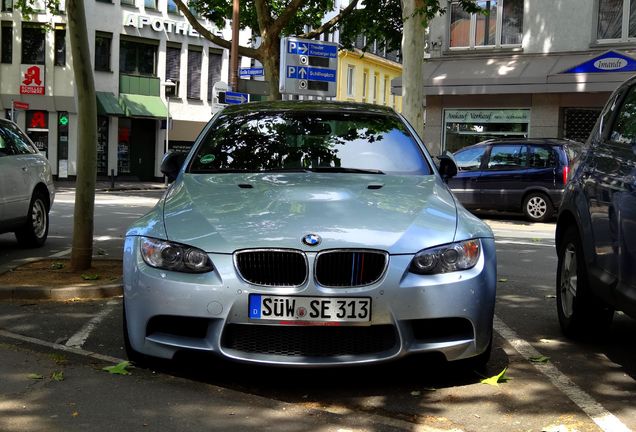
point(367, 78)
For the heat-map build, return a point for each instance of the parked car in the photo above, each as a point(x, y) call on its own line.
point(26, 187)
point(526, 175)
point(309, 233)
point(596, 226)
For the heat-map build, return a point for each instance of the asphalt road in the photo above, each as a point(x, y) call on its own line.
point(582, 386)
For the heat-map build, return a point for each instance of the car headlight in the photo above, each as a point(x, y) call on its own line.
point(173, 256)
point(448, 258)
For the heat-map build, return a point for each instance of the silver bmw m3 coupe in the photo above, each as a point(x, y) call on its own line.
point(309, 234)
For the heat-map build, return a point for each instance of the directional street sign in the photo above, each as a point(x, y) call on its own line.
point(236, 98)
point(313, 49)
point(308, 67)
point(311, 74)
point(256, 71)
point(20, 105)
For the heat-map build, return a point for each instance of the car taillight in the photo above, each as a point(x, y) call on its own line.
point(566, 174)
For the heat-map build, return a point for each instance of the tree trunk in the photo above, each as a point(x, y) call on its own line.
point(82, 252)
point(413, 39)
point(271, 64)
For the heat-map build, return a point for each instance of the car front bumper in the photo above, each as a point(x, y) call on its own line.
point(448, 313)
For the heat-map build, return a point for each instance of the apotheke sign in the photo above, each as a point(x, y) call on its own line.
point(162, 25)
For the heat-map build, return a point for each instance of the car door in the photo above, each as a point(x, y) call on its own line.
point(501, 182)
point(612, 199)
point(16, 172)
point(469, 165)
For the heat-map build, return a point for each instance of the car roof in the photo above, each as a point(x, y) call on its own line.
point(532, 141)
point(309, 105)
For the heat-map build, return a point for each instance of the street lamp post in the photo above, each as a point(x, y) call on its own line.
point(169, 84)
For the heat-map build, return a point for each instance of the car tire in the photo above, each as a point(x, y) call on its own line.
point(137, 358)
point(36, 229)
point(581, 313)
point(537, 207)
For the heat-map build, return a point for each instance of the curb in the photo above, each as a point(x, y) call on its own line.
point(62, 293)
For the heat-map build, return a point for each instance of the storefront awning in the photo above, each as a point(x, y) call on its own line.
point(143, 106)
point(514, 74)
point(107, 104)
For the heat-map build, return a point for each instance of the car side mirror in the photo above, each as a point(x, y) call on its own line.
point(171, 164)
point(447, 165)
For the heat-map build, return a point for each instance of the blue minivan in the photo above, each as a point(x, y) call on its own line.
point(526, 175)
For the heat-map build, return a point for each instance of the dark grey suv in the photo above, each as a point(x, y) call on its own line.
point(596, 227)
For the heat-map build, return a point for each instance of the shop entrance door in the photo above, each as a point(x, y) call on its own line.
point(142, 148)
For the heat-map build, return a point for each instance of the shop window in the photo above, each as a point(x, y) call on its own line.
point(616, 20)
point(194, 72)
point(60, 46)
point(7, 5)
point(466, 127)
point(502, 26)
point(215, 62)
point(138, 58)
point(33, 44)
point(350, 76)
point(172, 7)
point(37, 128)
point(123, 146)
point(102, 145)
point(62, 144)
point(102, 51)
point(578, 123)
point(7, 42)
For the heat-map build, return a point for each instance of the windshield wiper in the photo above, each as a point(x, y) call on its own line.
point(346, 170)
point(287, 170)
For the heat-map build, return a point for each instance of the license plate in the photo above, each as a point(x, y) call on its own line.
point(294, 308)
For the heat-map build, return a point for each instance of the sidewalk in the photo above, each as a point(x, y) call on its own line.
point(107, 185)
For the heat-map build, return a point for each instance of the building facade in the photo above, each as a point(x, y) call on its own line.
point(367, 78)
point(138, 49)
point(533, 68)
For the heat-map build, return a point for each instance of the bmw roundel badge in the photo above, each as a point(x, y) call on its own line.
point(312, 239)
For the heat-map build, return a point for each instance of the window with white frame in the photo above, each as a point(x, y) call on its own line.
point(365, 80)
point(350, 74)
point(616, 20)
point(501, 26)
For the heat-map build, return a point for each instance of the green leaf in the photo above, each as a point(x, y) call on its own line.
point(119, 369)
point(539, 359)
point(90, 276)
point(57, 266)
point(503, 280)
point(536, 240)
point(495, 380)
point(34, 376)
point(57, 376)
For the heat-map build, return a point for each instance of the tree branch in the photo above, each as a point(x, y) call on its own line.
point(284, 18)
point(223, 43)
point(331, 23)
point(263, 17)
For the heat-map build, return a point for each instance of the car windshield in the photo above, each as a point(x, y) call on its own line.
point(309, 141)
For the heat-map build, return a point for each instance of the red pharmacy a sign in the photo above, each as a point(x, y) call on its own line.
point(32, 79)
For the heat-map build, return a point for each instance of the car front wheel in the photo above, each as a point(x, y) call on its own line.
point(35, 230)
point(537, 207)
point(580, 312)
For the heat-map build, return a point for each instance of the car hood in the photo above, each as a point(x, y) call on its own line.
point(225, 212)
